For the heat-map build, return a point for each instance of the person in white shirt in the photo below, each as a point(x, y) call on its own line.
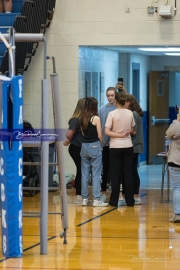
point(103, 113)
point(119, 124)
point(173, 133)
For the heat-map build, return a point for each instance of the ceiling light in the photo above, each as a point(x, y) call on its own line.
point(173, 54)
point(160, 49)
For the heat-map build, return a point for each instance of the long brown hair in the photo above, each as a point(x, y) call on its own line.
point(90, 109)
point(79, 109)
point(134, 105)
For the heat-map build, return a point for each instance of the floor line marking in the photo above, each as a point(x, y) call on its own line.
point(96, 217)
point(7, 258)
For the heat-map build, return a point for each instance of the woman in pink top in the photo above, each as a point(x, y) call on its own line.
point(121, 122)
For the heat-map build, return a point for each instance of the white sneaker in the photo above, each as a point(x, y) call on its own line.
point(122, 202)
point(99, 203)
point(78, 199)
point(121, 198)
point(175, 219)
point(103, 198)
point(86, 202)
point(137, 200)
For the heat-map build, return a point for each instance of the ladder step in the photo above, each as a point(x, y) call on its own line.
point(38, 214)
point(38, 188)
point(38, 163)
point(32, 214)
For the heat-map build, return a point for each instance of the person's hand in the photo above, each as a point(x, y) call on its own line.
point(66, 143)
point(126, 134)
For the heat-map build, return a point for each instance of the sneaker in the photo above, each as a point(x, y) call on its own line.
point(175, 219)
point(78, 199)
point(122, 202)
point(99, 203)
point(86, 202)
point(103, 198)
point(121, 198)
point(137, 200)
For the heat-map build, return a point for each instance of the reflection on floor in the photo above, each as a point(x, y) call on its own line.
point(151, 176)
point(107, 238)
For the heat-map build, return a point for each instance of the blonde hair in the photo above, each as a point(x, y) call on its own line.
point(79, 109)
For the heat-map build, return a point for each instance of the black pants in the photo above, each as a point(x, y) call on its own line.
point(105, 169)
point(136, 178)
point(74, 152)
point(120, 160)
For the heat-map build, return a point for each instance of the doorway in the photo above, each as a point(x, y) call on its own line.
point(134, 66)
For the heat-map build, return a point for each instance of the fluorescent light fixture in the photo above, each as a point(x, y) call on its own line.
point(173, 54)
point(160, 49)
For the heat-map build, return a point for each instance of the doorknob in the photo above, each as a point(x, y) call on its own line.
point(159, 121)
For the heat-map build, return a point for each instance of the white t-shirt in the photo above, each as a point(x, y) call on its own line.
point(120, 120)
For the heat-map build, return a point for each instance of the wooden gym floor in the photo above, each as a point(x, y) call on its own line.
point(126, 238)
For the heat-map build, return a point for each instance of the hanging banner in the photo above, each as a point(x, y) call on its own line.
point(11, 167)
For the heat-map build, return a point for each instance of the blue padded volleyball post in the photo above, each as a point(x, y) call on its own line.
point(11, 170)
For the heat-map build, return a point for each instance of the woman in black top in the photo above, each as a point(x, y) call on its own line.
point(91, 152)
point(74, 138)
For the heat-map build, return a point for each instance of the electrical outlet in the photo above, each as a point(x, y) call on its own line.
point(150, 10)
point(127, 8)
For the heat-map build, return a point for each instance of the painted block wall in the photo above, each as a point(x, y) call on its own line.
point(97, 60)
point(91, 23)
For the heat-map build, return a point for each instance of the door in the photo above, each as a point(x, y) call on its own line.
point(158, 112)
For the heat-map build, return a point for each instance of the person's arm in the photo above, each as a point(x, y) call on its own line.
point(69, 136)
point(133, 132)
point(171, 131)
point(135, 121)
point(125, 91)
point(113, 134)
point(97, 122)
point(108, 129)
point(73, 127)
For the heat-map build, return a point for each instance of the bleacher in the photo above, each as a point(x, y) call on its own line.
point(29, 16)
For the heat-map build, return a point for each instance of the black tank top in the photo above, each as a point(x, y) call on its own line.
point(90, 134)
